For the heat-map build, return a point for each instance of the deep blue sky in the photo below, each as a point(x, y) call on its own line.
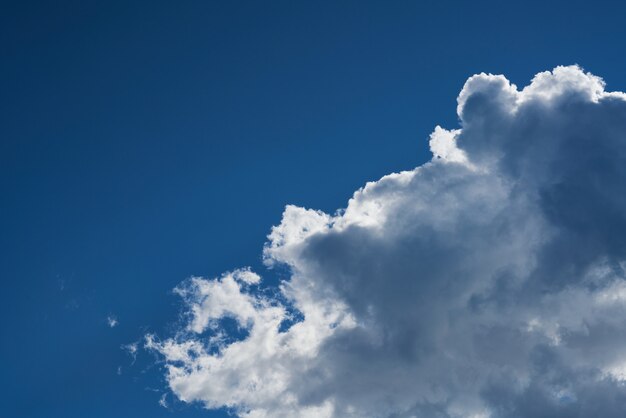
point(144, 142)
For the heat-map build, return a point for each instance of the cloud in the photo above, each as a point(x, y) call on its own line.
point(163, 401)
point(488, 282)
point(112, 321)
point(131, 349)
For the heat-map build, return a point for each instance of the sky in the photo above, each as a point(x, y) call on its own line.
point(144, 143)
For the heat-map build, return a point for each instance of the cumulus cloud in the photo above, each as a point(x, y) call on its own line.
point(488, 282)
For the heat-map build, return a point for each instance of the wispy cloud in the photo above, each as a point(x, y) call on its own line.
point(131, 349)
point(163, 401)
point(112, 321)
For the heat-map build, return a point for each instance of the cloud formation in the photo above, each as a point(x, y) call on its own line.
point(487, 283)
point(112, 321)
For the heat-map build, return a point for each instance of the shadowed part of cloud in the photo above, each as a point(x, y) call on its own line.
point(488, 282)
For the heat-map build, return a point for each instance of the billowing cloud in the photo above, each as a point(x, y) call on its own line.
point(488, 282)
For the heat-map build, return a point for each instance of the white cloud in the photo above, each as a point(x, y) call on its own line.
point(163, 401)
point(488, 282)
point(112, 321)
point(443, 145)
point(131, 349)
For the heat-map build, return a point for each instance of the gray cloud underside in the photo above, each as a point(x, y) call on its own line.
point(488, 282)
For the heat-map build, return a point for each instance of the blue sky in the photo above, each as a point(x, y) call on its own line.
point(145, 142)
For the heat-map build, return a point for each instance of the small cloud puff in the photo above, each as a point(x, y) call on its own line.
point(489, 282)
point(112, 321)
